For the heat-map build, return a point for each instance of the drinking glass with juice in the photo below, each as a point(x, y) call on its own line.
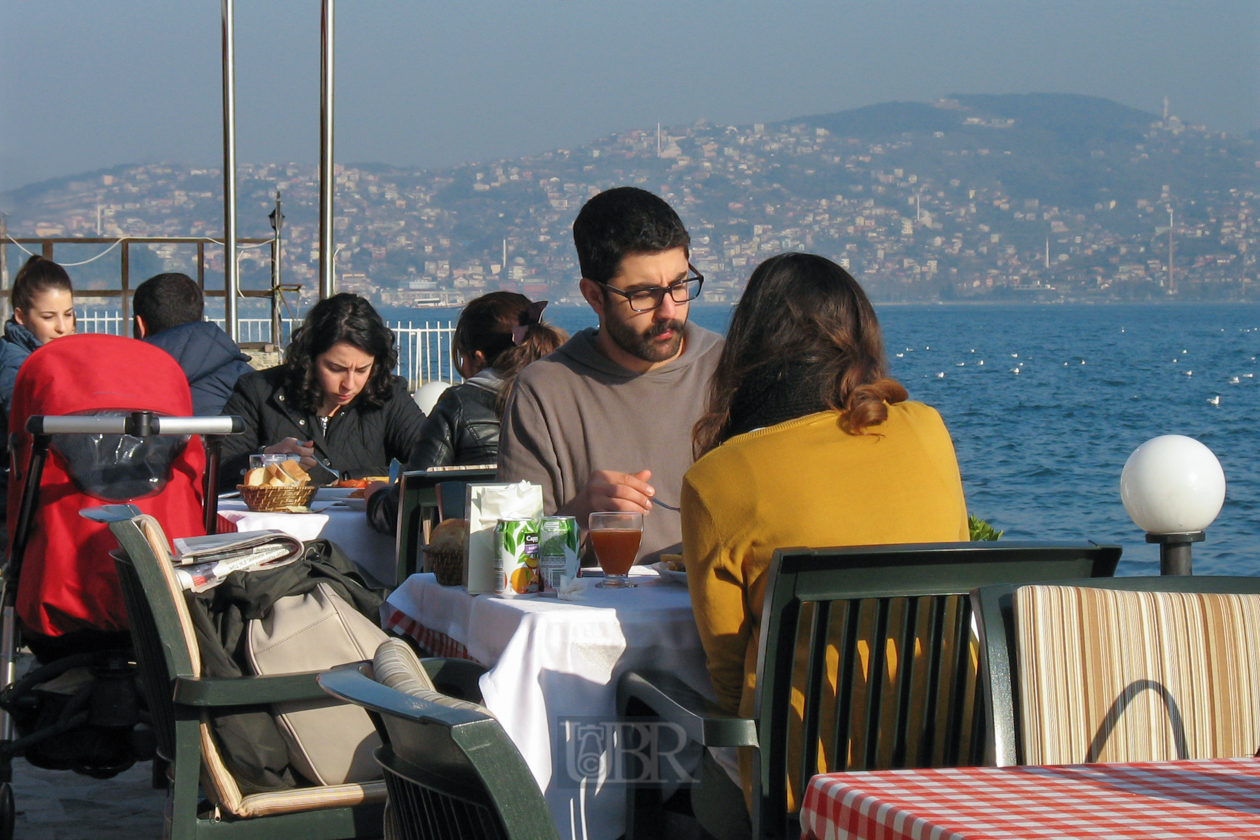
point(615, 537)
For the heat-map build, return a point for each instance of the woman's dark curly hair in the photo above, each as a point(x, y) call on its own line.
point(347, 318)
point(803, 307)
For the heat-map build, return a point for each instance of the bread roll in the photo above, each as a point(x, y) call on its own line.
point(450, 534)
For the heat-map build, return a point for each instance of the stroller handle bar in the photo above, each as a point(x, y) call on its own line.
point(138, 424)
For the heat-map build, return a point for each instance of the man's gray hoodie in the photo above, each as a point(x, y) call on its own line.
point(576, 411)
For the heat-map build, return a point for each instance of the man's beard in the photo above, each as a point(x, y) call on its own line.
point(641, 345)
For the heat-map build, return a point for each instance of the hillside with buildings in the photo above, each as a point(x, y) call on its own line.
point(1026, 197)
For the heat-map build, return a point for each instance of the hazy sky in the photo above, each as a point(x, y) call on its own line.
point(86, 84)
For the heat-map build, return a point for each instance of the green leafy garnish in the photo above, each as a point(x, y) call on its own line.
point(981, 530)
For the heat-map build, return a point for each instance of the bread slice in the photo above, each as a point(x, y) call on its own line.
point(294, 471)
point(256, 477)
point(276, 476)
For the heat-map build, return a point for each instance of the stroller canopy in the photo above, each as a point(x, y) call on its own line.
point(67, 578)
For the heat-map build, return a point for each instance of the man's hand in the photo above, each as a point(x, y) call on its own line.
point(611, 490)
point(293, 446)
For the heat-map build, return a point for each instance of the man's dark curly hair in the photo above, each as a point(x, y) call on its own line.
point(347, 318)
point(620, 222)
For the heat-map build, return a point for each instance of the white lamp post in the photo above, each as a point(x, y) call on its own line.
point(1173, 488)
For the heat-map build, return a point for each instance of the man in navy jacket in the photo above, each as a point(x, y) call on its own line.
point(168, 313)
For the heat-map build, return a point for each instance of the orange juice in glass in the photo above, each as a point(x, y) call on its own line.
point(615, 537)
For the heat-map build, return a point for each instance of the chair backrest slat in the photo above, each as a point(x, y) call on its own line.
point(935, 624)
point(876, 645)
point(904, 710)
point(960, 655)
point(816, 631)
point(846, 669)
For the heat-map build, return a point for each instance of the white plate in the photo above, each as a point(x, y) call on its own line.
point(663, 569)
point(356, 504)
point(328, 494)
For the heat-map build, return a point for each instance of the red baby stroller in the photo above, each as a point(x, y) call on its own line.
point(113, 414)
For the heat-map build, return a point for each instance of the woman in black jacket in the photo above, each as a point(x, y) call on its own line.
point(335, 401)
point(497, 336)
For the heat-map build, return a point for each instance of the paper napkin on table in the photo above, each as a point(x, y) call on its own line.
point(572, 588)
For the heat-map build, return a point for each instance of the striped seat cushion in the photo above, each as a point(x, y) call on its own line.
point(396, 666)
point(1108, 675)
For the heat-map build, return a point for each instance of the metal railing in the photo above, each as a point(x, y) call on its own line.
point(47, 246)
point(424, 350)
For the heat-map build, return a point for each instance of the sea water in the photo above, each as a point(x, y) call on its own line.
point(1041, 449)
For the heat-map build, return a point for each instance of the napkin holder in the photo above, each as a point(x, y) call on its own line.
point(486, 504)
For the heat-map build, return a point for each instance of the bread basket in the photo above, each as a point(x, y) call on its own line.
point(447, 564)
point(277, 498)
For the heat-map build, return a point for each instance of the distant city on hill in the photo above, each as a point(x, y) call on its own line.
point(1038, 197)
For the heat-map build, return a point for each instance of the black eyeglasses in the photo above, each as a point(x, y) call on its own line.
point(645, 300)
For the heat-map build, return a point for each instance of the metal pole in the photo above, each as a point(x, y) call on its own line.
point(231, 281)
point(327, 182)
point(4, 268)
point(1174, 552)
point(277, 222)
point(1170, 250)
point(125, 271)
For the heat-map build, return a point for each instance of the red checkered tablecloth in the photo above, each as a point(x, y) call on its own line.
point(1169, 799)
point(439, 644)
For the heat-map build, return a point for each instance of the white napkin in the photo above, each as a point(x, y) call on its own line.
point(572, 588)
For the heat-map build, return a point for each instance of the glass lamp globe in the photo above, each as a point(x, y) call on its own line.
point(426, 396)
point(1172, 485)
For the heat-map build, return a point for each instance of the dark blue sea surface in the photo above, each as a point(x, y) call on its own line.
point(1041, 450)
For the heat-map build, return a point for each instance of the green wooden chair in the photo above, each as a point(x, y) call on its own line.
point(1126, 669)
point(878, 641)
point(452, 771)
point(418, 498)
point(181, 702)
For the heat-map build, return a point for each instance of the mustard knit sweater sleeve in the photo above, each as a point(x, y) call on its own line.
point(807, 483)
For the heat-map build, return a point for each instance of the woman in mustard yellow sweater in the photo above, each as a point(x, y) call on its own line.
point(805, 442)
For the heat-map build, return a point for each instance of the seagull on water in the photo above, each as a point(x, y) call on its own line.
point(1214, 400)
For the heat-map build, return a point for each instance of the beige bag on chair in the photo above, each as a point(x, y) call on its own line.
point(329, 742)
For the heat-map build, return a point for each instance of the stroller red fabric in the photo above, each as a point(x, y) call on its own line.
point(68, 581)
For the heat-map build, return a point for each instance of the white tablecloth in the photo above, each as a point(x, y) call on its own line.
point(372, 551)
point(553, 661)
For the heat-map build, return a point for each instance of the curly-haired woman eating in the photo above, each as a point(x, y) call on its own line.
point(334, 401)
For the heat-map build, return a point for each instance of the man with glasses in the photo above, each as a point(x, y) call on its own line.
point(604, 423)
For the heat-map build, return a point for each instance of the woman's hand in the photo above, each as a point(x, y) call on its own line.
point(374, 487)
point(293, 446)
